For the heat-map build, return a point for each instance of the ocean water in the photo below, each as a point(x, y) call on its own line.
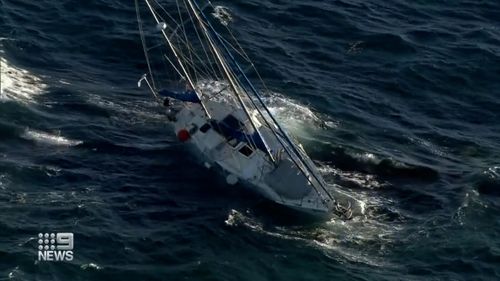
point(396, 101)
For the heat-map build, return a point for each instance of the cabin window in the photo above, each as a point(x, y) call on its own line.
point(205, 128)
point(246, 150)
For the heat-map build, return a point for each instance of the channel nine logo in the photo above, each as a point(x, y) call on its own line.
point(55, 246)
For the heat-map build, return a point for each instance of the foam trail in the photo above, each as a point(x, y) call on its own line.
point(46, 138)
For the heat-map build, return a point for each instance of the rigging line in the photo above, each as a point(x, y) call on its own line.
point(228, 75)
point(166, 13)
point(189, 63)
point(143, 41)
point(211, 50)
point(181, 42)
point(244, 55)
point(178, 59)
point(179, 39)
point(201, 42)
point(193, 66)
point(306, 164)
point(174, 31)
point(236, 84)
point(183, 29)
point(283, 144)
point(192, 62)
point(209, 62)
point(218, 93)
point(249, 140)
point(286, 137)
point(172, 64)
point(156, 46)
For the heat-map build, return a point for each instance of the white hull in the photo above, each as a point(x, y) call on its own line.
point(239, 135)
point(238, 162)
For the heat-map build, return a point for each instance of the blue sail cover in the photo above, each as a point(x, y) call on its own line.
point(189, 95)
point(230, 127)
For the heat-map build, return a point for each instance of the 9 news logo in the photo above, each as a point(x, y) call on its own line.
point(55, 246)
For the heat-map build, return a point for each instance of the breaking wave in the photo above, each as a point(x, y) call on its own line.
point(19, 84)
point(368, 163)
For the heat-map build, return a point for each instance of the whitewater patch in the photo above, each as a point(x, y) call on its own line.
point(493, 172)
point(298, 118)
point(50, 139)
point(360, 180)
point(91, 266)
point(138, 112)
point(358, 240)
point(79, 198)
point(223, 14)
point(472, 205)
point(19, 84)
point(16, 273)
point(4, 181)
point(428, 145)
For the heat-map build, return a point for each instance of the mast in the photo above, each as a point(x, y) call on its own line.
point(295, 154)
point(172, 47)
point(225, 65)
point(229, 75)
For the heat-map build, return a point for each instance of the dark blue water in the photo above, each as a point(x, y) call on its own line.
point(397, 101)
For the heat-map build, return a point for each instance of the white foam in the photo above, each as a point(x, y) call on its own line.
point(4, 182)
point(360, 179)
point(294, 116)
point(64, 82)
point(472, 201)
point(299, 119)
point(91, 266)
point(223, 15)
point(46, 138)
point(493, 172)
point(16, 273)
point(426, 144)
point(347, 239)
point(132, 113)
point(19, 84)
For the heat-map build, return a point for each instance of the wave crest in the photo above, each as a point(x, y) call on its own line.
point(19, 84)
point(46, 138)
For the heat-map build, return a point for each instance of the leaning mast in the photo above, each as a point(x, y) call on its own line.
point(174, 51)
point(295, 154)
point(230, 76)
